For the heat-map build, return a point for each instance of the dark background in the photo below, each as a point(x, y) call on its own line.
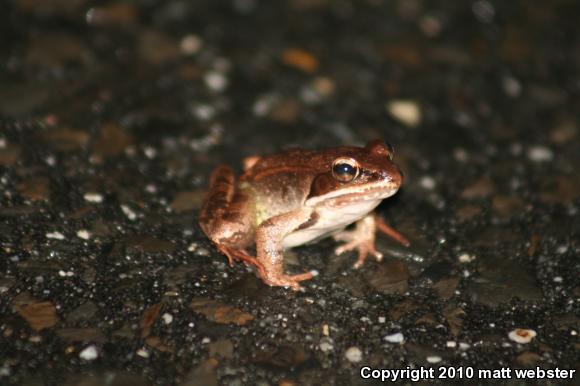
point(112, 115)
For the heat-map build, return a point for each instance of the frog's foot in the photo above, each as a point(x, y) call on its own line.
point(283, 280)
point(362, 243)
point(362, 238)
point(234, 255)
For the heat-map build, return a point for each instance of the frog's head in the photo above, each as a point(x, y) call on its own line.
point(356, 174)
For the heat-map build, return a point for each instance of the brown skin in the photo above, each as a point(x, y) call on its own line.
point(294, 197)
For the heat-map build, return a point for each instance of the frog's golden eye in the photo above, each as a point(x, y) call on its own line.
point(345, 169)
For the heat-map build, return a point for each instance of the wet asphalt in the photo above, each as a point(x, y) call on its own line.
point(113, 114)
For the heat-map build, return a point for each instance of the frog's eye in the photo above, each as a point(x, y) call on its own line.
point(345, 169)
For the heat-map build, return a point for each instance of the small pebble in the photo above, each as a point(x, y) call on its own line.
point(522, 335)
point(353, 354)
point(50, 160)
point(300, 59)
point(93, 197)
point(427, 183)
point(263, 105)
point(89, 353)
point(326, 345)
point(434, 359)
point(451, 344)
point(511, 86)
point(55, 235)
point(167, 318)
point(143, 353)
point(215, 81)
point(83, 234)
point(190, 44)
point(317, 90)
point(324, 86)
point(204, 112)
point(466, 258)
point(128, 212)
point(395, 338)
point(150, 152)
point(407, 112)
point(35, 339)
point(540, 154)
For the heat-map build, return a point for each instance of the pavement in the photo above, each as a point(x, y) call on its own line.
point(113, 114)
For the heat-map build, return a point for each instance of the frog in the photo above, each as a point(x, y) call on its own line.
point(297, 197)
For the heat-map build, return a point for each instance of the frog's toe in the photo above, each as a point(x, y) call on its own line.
point(292, 281)
point(234, 255)
point(364, 248)
point(363, 252)
point(284, 282)
point(361, 241)
point(346, 247)
point(378, 255)
point(302, 276)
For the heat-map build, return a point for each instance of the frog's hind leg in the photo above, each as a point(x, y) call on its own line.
point(225, 218)
point(392, 233)
point(220, 194)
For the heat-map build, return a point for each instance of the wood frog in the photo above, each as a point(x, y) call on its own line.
point(292, 198)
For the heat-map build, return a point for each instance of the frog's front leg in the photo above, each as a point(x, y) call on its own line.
point(362, 238)
point(269, 236)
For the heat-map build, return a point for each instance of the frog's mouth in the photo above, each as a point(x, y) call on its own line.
point(354, 194)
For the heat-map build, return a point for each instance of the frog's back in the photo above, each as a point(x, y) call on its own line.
point(282, 182)
point(277, 193)
point(277, 184)
point(297, 160)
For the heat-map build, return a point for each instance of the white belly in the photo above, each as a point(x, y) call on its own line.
point(329, 221)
